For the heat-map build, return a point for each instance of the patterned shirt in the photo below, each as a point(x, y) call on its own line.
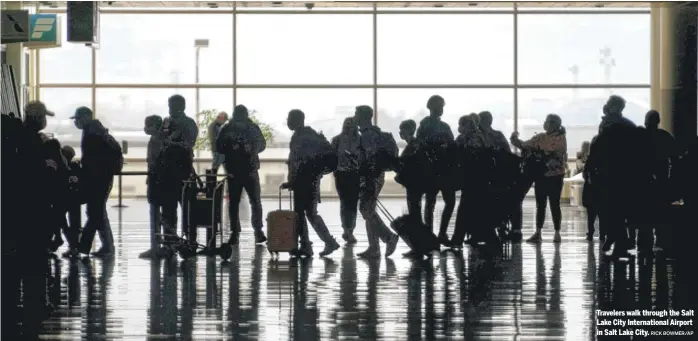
point(554, 148)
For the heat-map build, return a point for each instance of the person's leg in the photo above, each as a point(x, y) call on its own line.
point(340, 183)
point(429, 207)
point(375, 227)
point(540, 191)
point(460, 231)
point(234, 194)
point(516, 220)
point(591, 222)
point(72, 232)
point(94, 219)
point(300, 205)
point(352, 199)
point(449, 197)
point(555, 191)
point(414, 203)
point(319, 225)
point(254, 193)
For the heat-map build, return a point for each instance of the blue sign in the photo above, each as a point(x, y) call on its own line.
point(43, 28)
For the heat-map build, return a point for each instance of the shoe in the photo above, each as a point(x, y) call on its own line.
point(70, 254)
point(329, 248)
point(259, 237)
point(102, 253)
point(349, 237)
point(556, 237)
point(535, 238)
point(369, 254)
point(410, 254)
point(153, 254)
point(391, 245)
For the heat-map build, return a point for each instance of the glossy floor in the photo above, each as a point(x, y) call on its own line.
point(526, 292)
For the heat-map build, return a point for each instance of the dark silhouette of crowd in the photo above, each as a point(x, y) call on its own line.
point(634, 178)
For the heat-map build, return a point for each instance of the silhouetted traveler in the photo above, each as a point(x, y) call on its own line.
point(303, 178)
point(214, 129)
point(408, 173)
point(436, 138)
point(58, 190)
point(470, 143)
point(76, 198)
point(346, 177)
point(177, 164)
point(241, 141)
point(373, 153)
point(101, 160)
point(551, 148)
point(156, 144)
point(495, 138)
point(619, 158)
point(582, 156)
point(589, 195)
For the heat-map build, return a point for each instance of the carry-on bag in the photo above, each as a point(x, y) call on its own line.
point(413, 232)
point(281, 229)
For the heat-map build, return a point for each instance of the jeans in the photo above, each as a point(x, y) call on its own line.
point(549, 188)
point(449, 197)
point(305, 202)
point(368, 199)
point(97, 217)
point(250, 183)
point(347, 185)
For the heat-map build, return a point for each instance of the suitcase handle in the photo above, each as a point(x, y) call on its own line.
point(290, 198)
point(382, 209)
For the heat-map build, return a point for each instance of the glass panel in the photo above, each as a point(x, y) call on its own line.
point(63, 103)
point(325, 110)
point(396, 105)
point(584, 49)
point(445, 49)
point(580, 110)
point(70, 63)
point(305, 49)
point(159, 48)
point(583, 6)
point(123, 112)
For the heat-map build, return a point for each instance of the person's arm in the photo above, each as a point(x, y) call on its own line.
point(532, 143)
point(259, 142)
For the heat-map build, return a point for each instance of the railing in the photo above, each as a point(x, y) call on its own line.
point(272, 173)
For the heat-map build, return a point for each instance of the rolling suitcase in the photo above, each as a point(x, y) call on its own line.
point(413, 232)
point(281, 229)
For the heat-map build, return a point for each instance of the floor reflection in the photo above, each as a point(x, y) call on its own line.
point(522, 292)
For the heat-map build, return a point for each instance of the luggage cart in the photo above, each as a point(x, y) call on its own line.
point(202, 206)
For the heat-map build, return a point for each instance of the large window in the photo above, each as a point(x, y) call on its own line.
point(70, 63)
point(584, 49)
point(159, 48)
point(445, 49)
point(277, 58)
point(324, 109)
point(580, 110)
point(305, 49)
point(63, 103)
point(123, 111)
point(396, 105)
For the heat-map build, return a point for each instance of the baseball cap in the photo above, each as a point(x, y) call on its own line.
point(81, 112)
point(37, 108)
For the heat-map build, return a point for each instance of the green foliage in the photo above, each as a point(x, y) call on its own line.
point(206, 117)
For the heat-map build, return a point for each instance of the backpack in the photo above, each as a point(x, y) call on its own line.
point(237, 159)
point(320, 158)
point(113, 156)
point(387, 152)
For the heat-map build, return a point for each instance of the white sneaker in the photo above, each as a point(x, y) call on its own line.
point(535, 238)
point(557, 238)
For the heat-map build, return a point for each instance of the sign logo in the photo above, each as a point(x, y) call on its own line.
point(15, 26)
point(42, 25)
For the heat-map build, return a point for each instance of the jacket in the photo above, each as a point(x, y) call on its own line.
point(214, 130)
point(342, 144)
point(241, 131)
point(94, 150)
point(183, 131)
